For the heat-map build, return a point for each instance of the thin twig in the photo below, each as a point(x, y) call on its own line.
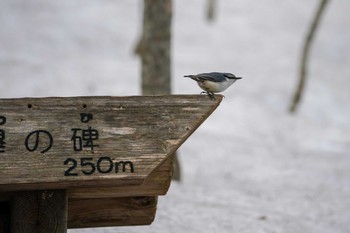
point(211, 10)
point(305, 54)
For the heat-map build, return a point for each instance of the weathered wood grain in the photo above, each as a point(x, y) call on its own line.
point(123, 211)
point(157, 183)
point(140, 129)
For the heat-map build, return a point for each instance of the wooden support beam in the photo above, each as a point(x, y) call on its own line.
point(123, 211)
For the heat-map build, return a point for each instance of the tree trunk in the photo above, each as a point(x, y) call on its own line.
point(155, 50)
point(155, 47)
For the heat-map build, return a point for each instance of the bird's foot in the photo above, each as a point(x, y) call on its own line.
point(210, 94)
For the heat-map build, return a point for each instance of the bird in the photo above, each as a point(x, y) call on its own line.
point(213, 82)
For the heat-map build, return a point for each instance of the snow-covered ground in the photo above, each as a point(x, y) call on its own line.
point(251, 167)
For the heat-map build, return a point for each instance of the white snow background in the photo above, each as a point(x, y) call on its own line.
point(251, 167)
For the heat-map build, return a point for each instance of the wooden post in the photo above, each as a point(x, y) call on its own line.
point(107, 158)
point(39, 212)
point(5, 216)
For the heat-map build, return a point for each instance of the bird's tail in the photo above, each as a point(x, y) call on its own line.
point(194, 77)
point(189, 76)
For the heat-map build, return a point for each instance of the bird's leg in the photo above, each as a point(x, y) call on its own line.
point(211, 95)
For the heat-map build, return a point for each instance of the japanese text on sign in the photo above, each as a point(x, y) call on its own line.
point(82, 138)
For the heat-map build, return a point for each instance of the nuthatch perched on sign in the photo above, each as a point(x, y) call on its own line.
point(214, 82)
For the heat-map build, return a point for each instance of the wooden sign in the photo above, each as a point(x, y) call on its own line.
point(61, 143)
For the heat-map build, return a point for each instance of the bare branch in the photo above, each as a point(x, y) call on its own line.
point(305, 55)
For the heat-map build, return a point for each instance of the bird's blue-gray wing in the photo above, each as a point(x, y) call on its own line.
point(213, 76)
